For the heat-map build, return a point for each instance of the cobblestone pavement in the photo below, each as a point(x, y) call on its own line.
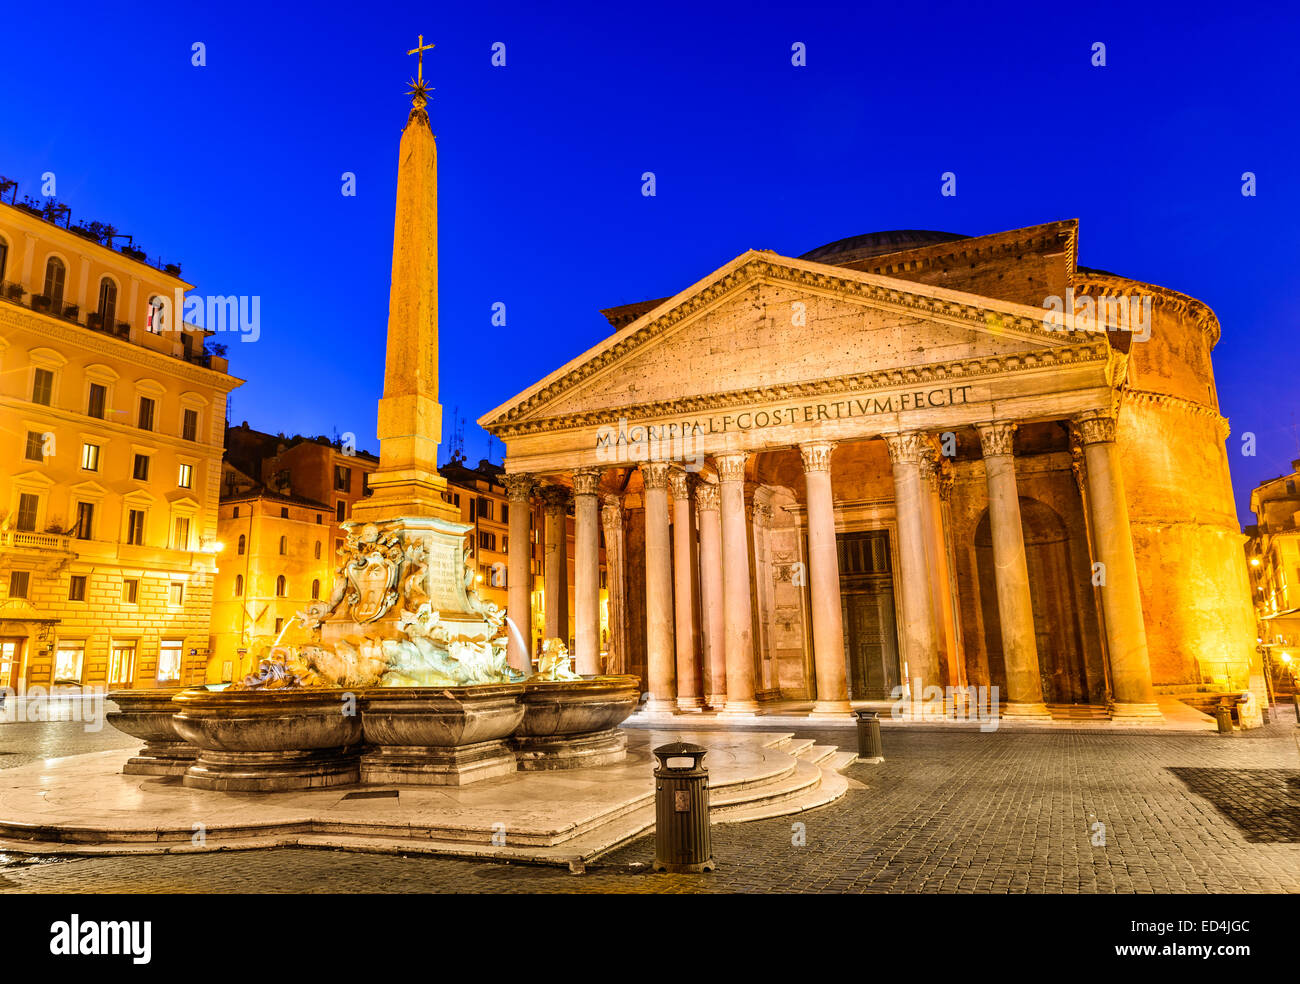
point(948, 811)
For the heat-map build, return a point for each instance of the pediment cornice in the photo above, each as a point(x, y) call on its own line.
point(1095, 351)
point(983, 314)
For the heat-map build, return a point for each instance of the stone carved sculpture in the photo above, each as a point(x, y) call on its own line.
point(555, 663)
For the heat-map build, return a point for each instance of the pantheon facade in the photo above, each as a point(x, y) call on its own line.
point(882, 464)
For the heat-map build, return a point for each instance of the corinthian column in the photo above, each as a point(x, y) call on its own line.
point(556, 571)
point(586, 574)
point(519, 571)
point(936, 549)
point(737, 616)
point(611, 516)
point(715, 653)
point(660, 657)
point(1011, 572)
point(824, 582)
point(1121, 600)
point(684, 554)
point(920, 649)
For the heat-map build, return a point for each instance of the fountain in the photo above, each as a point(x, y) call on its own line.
point(403, 676)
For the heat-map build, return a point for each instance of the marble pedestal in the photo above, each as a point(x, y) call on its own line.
point(537, 754)
point(439, 736)
point(147, 714)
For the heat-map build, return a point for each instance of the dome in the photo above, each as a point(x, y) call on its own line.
point(862, 247)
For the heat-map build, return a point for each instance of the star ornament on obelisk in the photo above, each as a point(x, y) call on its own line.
point(407, 483)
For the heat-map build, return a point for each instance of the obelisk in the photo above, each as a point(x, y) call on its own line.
point(410, 417)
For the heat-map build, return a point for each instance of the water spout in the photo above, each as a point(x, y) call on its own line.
point(518, 637)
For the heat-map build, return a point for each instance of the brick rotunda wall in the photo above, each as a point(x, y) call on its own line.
point(1195, 588)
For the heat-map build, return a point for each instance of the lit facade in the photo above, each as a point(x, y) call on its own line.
point(1273, 552)
point(110, 463)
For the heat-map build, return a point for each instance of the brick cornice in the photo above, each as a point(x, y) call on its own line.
point(1108, 284)
point(60, 331)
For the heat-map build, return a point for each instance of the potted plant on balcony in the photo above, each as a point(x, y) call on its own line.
point(123, 329)
point(131, 251)
point(172, 268)
point(14, 291)
point(94, 320)
point(71, 311)
point(40, 302)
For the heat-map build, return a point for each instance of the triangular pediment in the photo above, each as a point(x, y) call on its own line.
point(770, 323)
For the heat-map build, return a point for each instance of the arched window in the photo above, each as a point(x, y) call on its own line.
point(315, 590)
point(280, 586)
point(4, 257)
point(55, 273)
point(156, 315)
point(284, 545)
point(318, 550)
point(239, 585)
point(241, 544)
point(108, 304)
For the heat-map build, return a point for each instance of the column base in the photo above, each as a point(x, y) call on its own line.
point(1141, 714)
point(659, 707)
point(1025, 712)
point(739, 708)
point(831, 708)
point(715, 701)
point(689, 705)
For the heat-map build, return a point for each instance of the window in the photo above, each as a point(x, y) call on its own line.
point(505, 512)
point(279, 624)
point(239, 585)
point(135, 527)
point(77, 587)
point(484, 508)
point(145, 420)
point(235, 514)
point(342, 479)
point(318, 519)
point(43, 386)
point(317, 551)
point(35, 446)
point(108, 304)
point(190, 426)
point(85, 520)
point(97, 400)
point(155, 317)
point(505, 543)
point(130, 591)
point(140, 470)
point(121, 664)
point(315, 589)
point(27, 506)
point(280, 586)
point(176, 594)
point(4, 257)
point(90, 457)
point(18, 583)
point(181, 539)
point(242, 543)
point(67, 661)
point(55, 274)
point(338, 547)
point(284, 545)
point(169, 660)
point(284, 512)
point(185, 479)
point(341, 511)
point(486, 540)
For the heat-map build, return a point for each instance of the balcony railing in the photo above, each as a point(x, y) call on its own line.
point(23, 540)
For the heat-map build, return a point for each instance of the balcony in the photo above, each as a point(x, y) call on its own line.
point(43, 542)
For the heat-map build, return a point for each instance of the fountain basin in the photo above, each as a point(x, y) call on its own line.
point(572, 724)
point(147, 715)
point(439, 736)
point(270, 740)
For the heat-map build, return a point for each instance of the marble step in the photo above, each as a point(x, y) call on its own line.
point(831, 787)
point(805, 776)
point(817, 754)
point(839, 761)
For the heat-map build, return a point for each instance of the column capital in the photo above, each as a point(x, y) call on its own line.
point(906, 447)
point(816, 455)
point(706, 497)
point(763, 513)
point(679, 480)
point(519, 486)
point(555, 497)
point(731, 465)
point(611, 512)
point(996, 437)
point(1095, 427)
point(586, 481)
point(655, 474)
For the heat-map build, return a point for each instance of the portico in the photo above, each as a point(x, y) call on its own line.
point(828, 484)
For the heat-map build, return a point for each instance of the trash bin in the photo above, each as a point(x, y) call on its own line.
point(682, 842)
point(1223, 715)
point(870, 748)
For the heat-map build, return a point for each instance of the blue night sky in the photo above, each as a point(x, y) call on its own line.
point(234, 169)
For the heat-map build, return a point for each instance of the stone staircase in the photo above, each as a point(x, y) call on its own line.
point(812, 779)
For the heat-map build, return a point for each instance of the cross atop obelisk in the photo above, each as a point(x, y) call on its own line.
point(407, 483)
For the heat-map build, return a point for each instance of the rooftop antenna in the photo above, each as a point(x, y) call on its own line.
point(457, 447)
point(489, 454)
